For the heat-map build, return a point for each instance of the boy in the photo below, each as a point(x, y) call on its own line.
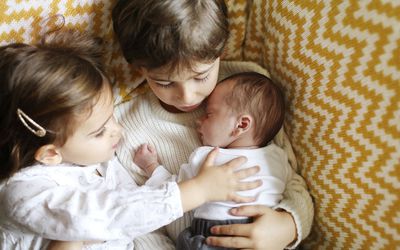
point(177, 45)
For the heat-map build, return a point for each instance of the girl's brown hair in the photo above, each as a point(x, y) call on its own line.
point(171, 33)
point(51, 82)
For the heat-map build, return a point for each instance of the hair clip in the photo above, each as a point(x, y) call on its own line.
point(40, 131)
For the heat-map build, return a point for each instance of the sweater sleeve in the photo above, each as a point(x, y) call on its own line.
point(156, 240)
point(297, 201)
point(296, 198)
point(229, 68)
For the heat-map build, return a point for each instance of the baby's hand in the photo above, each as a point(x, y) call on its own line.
point(146, 158)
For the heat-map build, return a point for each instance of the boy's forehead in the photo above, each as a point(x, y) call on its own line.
point(182, 71)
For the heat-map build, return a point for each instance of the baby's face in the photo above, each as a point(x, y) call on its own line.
point(217, 125)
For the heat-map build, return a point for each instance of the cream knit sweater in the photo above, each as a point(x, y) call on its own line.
point(175, 137)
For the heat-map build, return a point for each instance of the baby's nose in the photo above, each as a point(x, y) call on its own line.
point(199, 121)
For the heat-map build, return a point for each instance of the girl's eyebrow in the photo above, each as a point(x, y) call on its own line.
point(102, 126)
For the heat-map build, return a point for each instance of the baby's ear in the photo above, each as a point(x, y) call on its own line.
point(48, 155)
point(244, 123)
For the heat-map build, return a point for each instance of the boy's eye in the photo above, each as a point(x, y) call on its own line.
point(164, 84)
point(202, 78)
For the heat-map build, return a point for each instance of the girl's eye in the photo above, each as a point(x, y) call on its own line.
point(100, 133)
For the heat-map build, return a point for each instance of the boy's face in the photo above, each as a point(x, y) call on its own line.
point(217, 125)
point(183, 91)
point(96, 136)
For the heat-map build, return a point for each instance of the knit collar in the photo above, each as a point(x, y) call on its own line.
point(186, 118)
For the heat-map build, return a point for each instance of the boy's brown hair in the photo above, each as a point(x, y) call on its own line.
point(173, 33)
point(52, 82)
point(257, 95)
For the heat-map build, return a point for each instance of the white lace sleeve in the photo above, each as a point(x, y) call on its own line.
point(42, 207)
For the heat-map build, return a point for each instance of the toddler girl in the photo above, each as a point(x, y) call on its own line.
point(59, 178)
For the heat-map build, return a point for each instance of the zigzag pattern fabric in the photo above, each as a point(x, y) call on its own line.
point(339, 63)
point(26, 21)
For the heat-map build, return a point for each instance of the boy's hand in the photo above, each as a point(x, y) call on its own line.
point(146, 158)
point(270, 230)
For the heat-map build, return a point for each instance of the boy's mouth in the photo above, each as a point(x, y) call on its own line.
point(189, 108)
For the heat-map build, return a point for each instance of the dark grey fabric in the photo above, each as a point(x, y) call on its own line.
point(193, 237)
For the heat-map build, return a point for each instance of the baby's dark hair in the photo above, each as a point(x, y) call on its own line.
point(170, 33)
point(257, 95)
point(52, 83)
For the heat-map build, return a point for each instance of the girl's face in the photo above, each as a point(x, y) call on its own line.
point(183, 91)
point(96, 136)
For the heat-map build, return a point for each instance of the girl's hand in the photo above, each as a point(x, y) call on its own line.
point(270, 230)
point(214, 183)
point(146, 158)
point(222, 182)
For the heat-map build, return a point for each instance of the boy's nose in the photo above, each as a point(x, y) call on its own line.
point(186, 95)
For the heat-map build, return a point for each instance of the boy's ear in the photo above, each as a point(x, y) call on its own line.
point(244, 123)
point(48, 155)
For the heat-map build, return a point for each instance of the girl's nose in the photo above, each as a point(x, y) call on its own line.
point(116, 128)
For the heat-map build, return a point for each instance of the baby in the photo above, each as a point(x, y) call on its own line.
point(243, 114)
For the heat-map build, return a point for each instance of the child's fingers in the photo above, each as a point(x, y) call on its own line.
point(142, 151)
point(235, 163)
point(140, 148)
point(210, 159)
point(241, 199)
point(248, 185)
point(151, 148)
point(243, 173)
point(136, 151)
point(250, 210)
point(233, 229)
point(230, 242)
